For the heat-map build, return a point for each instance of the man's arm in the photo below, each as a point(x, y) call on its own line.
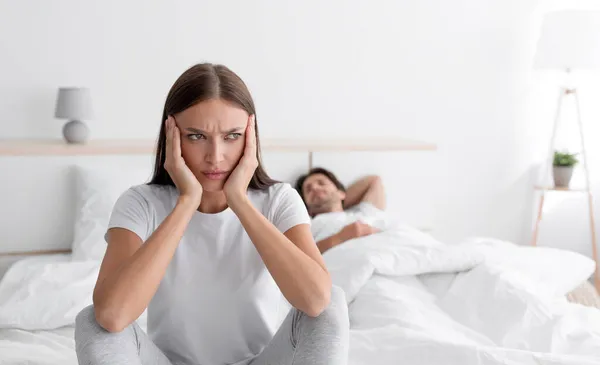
point(352, 230)
point(368, 189)
point(329, 242)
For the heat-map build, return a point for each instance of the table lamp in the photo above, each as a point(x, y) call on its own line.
point(75, 105)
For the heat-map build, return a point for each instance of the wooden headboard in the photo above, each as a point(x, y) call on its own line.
point(37, 207)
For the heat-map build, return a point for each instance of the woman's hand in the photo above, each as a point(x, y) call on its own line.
point(180, 173)
point(237, 183)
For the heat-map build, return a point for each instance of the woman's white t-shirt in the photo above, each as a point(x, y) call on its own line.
point(217, 303)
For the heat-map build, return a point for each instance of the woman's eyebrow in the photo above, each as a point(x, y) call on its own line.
point(237, 129)
point(200, 131)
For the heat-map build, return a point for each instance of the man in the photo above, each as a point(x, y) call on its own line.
point(339, 214)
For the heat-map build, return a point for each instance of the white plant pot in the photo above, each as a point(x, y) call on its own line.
point(562, 176)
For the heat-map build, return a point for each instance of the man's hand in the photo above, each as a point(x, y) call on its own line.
point(355, 230)
point(352, 230)
point(368, 189)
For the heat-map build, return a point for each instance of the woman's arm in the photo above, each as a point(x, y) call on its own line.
point(130, 275)
point(292, 258)
point(369, 189)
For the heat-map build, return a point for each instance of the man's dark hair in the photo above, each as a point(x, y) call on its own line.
point(318, 170)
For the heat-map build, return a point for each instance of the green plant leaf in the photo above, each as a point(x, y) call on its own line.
point(565, 159)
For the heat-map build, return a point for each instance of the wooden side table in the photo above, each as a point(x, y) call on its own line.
point(586, 189)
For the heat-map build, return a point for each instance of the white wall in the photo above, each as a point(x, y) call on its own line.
point(456, 73)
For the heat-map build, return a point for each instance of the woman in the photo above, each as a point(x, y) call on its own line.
point(213, 248)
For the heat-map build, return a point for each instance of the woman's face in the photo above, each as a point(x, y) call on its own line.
point(212, 140)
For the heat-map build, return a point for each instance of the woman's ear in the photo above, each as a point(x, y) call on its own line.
point(342, 194)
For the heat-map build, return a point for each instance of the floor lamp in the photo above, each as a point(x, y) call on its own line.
point(570, 40)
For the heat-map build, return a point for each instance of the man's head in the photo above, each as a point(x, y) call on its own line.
point(321, 191)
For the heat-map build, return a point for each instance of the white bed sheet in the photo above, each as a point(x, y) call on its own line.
point(412, 300)
point(47, 347)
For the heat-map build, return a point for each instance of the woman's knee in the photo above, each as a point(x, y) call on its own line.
point(86, 325)
point(88, 328)
point(93, 343)
point(85, 316)
point(336, 313)
point(332, 325)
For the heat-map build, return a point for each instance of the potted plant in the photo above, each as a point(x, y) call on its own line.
point(563, 165)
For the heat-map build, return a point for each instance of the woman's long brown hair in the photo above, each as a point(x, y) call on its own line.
point(199, 83)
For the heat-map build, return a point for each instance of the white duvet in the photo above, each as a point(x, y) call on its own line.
point(412, 300)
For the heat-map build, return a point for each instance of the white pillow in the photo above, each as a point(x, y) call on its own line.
point(97, 190)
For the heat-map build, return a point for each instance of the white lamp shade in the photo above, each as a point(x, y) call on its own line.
point(73, 103)
point(569, 40)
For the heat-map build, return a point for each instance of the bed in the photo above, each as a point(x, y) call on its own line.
point(412, 299)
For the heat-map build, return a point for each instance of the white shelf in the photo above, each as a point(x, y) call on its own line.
point(59, 147)
point(347, 145)
point(128, 147)
point(567, 189)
